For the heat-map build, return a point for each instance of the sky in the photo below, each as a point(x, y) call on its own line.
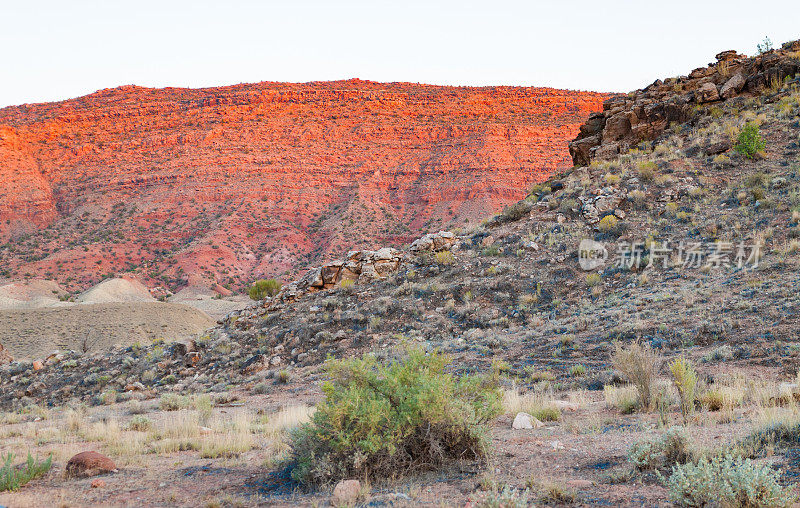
point(53, 50)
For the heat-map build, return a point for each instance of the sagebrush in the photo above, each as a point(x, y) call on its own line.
point(384, 420)
point(727, 481)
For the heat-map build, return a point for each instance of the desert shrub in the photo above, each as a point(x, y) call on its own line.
point(173, 402)
point(685, 378)
point(775, 435)
point(639, 364)
point(506, 498)
point(491, 250)
point(384, 420)
point(12, 478)
point(515, 211)
point(750, 142)
point(547, 414)
point(609, 224)
point(140, 423)
point(612, 179)
point(624, 398)
point(727, 481)
point(445, 257)
point(662, 452)
point(722, 353)
point(647, 170)
point(593, 279)
point(577, 370)
point(264, 288)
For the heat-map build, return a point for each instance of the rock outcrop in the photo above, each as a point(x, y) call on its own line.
point(642, 115)
point(226, 185)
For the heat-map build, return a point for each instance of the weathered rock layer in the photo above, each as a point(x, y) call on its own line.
point(642, 115)
point(227, 184)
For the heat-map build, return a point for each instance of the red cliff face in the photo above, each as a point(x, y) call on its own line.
point(228, 184)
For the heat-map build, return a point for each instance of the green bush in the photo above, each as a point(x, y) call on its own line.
point(750, 142)
point(727, 481)
point(669, 449)
point(610, 225)
point(685, 378)
point(12, 478)
point(387, 420)
point(264, 288)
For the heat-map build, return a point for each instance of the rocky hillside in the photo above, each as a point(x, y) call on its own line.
point(223, 185)
point(712, 258)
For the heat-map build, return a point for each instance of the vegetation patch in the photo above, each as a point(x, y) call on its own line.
point(384, 420)
point(12, 478)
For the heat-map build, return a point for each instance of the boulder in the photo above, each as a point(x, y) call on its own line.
point(617, 127)
point(526, 421)
point(443, 240)
point(346, 493)
point(733, 86)
point(707, 93)
point(90, 463)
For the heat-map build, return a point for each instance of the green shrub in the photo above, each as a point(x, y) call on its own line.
point(685, 378)
point(577, 370)
point(727, 481)
point(173, 402)
point(750, 142)
point(140, 423)
point(610, 225)
point(12, 478)
point(665, 451)
point(264, 288)
point(506, 498)
point(445, 257)
point(647, 170)
point(547, 414)
point(593, 279)
point(385, 420)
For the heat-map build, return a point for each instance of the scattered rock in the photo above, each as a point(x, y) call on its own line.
point(38, 365)
point(707, 93)
point(90, 463)
point(526, 421)
point(98, 483)
point(443, 240)
point(346, 492)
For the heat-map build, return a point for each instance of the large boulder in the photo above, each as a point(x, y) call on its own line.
point(87, 464)
point(707, 93)
point(443, 240)
point(733, 86)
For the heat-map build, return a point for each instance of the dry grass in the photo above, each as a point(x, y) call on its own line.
point(624, 398)
point(639, 364)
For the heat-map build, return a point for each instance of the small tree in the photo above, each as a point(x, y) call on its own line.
point(764, 46)
point(750, 141)
point(264, 288)
point(685, 379)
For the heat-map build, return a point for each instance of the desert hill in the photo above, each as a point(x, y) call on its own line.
point(225, 185)
point(689, 276)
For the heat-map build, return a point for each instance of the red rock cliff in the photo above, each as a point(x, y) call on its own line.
point(232, 183)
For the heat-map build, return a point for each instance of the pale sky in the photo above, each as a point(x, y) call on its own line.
point(54, 50)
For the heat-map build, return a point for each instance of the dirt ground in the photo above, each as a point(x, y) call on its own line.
point(579, 460)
